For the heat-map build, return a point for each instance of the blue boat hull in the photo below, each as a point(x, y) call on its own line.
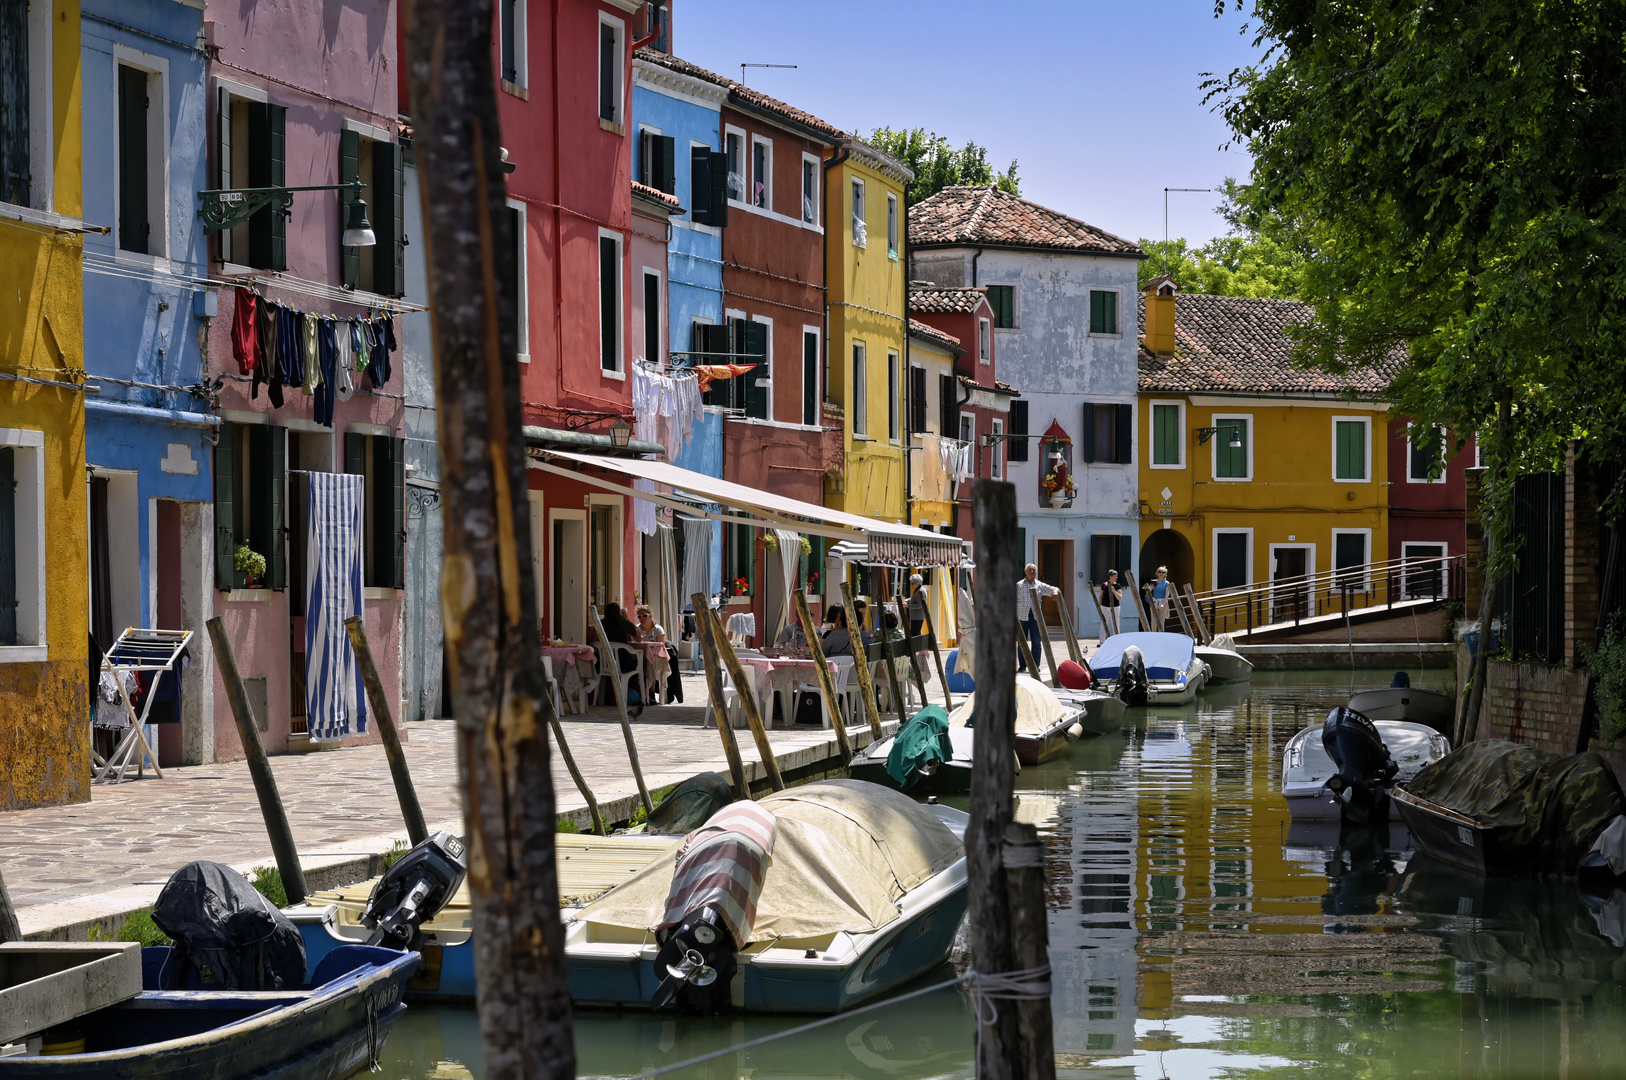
point(446, 975)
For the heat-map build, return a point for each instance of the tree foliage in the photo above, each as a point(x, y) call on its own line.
point(938, 165)
point(1456, 167)
point(1261, 256)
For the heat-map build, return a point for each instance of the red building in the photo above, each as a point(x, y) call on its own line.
point(1427, 499)
point(986, 405)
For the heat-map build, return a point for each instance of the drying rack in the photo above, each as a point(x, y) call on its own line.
point(138, 650)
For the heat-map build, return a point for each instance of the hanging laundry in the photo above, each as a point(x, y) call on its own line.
point(333, 693)
point(313, 362)
point(382, 342)
point(266, 368)
point(290, 346)
point(643, 511)
point(344, 359)
point(709, 372)
point(358, 343)
point(327, 359)
point(245, 337)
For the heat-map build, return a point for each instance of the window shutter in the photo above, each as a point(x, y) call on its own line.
point(1125, 433)
point(665, 173)
point(387, 254)
point(134, 227)
point(278, 117)
point(1086, 434)
point(1126, 553)
point(505, 33)
point(225, 513)
point(606, 73)
point(810, 379)
point(700, 194)
point(917, 399)
point(512, 300)
point(1018, 448)
point(712, 342)
point(395, 478)
point(349, 170)
point(277, 467)
point(267, 229)
point(1021, 548)
point(8, 546)
point(719, 189)
point(758, 402)
point(948, 394)
point(223, 161)
point(355, 453)
point(14, 159)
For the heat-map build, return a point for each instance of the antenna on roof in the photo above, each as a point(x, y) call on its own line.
point(744, 66)
point(1166, 218)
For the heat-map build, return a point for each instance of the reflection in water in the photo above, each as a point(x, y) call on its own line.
point(1195, 933)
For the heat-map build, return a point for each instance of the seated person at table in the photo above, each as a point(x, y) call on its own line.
point(792, 636)
point(650, 630)
point(837, 640)
point(860, 607)
point(620, 629)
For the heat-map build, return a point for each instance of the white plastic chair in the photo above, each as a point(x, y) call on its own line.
point(839, 680)
point(731, 697)
point(610, 666)
point(554, 690)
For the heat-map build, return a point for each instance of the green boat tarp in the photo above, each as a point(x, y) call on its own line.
point(921, 742)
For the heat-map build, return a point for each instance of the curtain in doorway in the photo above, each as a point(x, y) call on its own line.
point(790, 556)
point(101, 573)
point(334, 698)
point(696, 559)
point(669, 607)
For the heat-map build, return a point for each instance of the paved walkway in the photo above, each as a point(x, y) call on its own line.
point(68, 866)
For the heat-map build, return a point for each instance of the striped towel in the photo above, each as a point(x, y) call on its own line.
point(722, 863)
point(333, 690)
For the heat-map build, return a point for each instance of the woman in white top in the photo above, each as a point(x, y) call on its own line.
point(650, 630)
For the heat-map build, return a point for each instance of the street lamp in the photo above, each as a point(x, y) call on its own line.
point(223, 208)
point(620, 434)
point(1206, 433)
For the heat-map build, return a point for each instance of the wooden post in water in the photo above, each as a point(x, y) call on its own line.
point(611, 667)
point(1074, 649)
point(827, 688)
point(575, 773)
point(417, 831)
point(992, 778)
point(1140, 601)
point(1030, 948)
point(937, 655)
point(1178, 606)
point(885, 644)
point(9, 929)
point(1196, 614)
point(866, 685)
point(1044, 638)
point(748, 701)
point(1100, 613)
point(714, 690)
point(259, 767)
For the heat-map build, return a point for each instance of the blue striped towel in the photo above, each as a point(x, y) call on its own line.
point(333, 691)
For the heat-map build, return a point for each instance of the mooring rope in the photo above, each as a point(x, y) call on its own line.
point(986, 990)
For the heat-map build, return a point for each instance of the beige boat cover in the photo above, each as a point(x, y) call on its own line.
point(1037, 708)
point(845, 852)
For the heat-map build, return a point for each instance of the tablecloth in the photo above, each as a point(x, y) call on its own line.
point(574, 666)
point(655, 662)
point(782, 676)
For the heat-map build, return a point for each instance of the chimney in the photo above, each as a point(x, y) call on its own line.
point(1160, 314)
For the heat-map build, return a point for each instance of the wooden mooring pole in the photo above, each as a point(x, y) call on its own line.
point(703, 624)
point(1074, 649)
point(610, 667)
point(827, 688)
point(1023, 859)
point(866, 685)
point(748, 701)
point(9, 929)
point(937, 655)
point(411, 812)
point(259, 767)
point(884, 642)
point(1044, 637)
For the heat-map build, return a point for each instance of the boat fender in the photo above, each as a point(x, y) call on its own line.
point(1074, 731)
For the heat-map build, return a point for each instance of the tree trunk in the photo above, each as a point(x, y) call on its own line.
point(9, 930)
point(499, 692)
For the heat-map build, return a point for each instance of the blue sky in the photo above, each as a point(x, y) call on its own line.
point(1100, 107)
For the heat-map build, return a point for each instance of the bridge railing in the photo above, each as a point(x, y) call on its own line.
point(1294, 598)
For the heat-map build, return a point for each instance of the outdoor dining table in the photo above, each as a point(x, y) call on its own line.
point(656, 663)
point(575, 666)
point(782, 675)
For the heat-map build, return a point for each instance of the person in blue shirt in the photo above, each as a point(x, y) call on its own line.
point(1159, 589)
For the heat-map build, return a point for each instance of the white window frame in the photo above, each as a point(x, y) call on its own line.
point(818, 381)
point(619, 124)
point(895, 389)
point(929, 421)
point(985, 340)
point(1366, 477)
point(1309, 568)
point(1213, 556)
point(1363, 580)
point(1444, 552)
point(29, 467)
point(766, 383)
point(893, 235)
point(858, 407)
point(521, 53)
point(41, 110)
point(643, 158)
point(1117, 314)
point(859, 198)
point(1214, 445)
point(522, 324)
point(730, 131)
point(967, 419)
point(811, 159)
point(1151, 432)
point(660, 311)
point(158, 154)
point(767, 175)
point(620, 358)
point(996, 451)
point(1445, 462)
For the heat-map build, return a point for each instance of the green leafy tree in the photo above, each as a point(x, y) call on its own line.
point(1263, 255)
point(938, 165)
point(1459, 163)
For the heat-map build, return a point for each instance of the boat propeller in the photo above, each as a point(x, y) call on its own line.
point(693, 956)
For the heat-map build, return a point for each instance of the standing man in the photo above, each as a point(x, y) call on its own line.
point(1159, 590)
point(1025, 590)
point(917, 604)
point(1112, 594)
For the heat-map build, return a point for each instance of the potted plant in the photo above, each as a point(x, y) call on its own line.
point(740, 586)
point(250, 563)
point(1058, 486)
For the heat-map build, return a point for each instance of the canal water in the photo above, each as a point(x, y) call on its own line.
point(1195, 934)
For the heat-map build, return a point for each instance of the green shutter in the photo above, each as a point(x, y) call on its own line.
point(1123, 450)
point(1086, 434)
point(1021, 553)
point(225, 514)
point(1351, 444)
point(387, 253)
point(665, 171)
point(278, 117)
point(397, 516)
point(134, 227)
point(758, 399)
point(355, 453)
point(1231, 462)
point(1017, 449)
point(276, 558)
point(349, 170)
point(1126, 555)
point(1165, 434)
point(223, 161)
point(1109, 313)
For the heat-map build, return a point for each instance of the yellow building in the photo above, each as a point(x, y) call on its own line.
point(868, 348)
point(1252, 470)
point(44, 680)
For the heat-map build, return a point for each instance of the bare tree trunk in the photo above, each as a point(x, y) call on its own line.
point(487, 595)
point(9, 930)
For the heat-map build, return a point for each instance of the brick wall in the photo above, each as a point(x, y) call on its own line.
point(1539, 705)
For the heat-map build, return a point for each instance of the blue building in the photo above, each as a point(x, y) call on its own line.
point(149, 431)
point(677, 109)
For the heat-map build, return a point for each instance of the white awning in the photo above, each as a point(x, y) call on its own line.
point(888, 543)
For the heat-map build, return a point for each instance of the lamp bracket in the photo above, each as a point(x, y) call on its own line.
point(222, 208)
point(1206, 433)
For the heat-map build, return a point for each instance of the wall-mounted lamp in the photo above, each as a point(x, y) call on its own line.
point(224, 208)
point(1206, 433)
point(620, 434)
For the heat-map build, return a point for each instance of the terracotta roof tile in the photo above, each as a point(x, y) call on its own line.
point(1236, 343)
point(742, 94)
point(940, 300)
point(987, 215)
point(931, 333)
point(656, 195)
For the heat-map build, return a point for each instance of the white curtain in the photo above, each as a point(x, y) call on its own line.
point(669, 612)
point(696, 559)
point(790, 553)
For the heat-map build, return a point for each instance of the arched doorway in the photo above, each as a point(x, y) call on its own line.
point(1166, 547)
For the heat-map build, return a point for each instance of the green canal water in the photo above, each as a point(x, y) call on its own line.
point(1194, 934)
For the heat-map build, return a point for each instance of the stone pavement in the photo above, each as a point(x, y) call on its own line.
point(69, 867)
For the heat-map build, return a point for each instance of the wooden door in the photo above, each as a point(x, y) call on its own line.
point(1290, 591)
point(1052, 562)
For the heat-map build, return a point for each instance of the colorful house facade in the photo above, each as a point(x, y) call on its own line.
point(1253, 470)
point(1428, 499)
point(44, 676)
point(1059, 290)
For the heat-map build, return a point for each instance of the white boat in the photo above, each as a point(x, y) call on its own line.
point(865, 890)
point(1225, 664)
point(1171, 673)
point(1306, 766)
point(1427, 707)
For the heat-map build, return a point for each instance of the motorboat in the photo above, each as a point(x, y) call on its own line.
point(1225, 664)
point(1409, 703)
point(1307, 766)
point(813, 899)
point(1499, 807)
point(947, 774)
point(330, 1029)
point(1150, 668)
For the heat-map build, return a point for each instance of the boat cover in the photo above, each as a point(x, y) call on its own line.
point(920, 742)
point(1037, 708)
point(722, 864)
point(844, 853)
point(1168, 656)
point(234, 937)
point(1547, 810)
point(689, 805)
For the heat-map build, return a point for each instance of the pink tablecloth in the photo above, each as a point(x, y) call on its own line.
point(782, 676)
point(574, 666)
point(655, 662)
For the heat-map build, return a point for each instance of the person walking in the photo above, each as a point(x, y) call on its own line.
point(917, 604)
point(1159, 590)
point(1112, 595)
point(1025, 590)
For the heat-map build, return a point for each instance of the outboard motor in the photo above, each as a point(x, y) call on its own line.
point(413, 891)
point(1133, 684)
point(1364, 767)
point(711, 907)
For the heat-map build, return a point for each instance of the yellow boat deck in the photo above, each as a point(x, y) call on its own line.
point(589, 867)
